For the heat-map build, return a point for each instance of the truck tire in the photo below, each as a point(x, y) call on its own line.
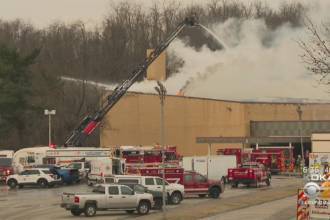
point(224, 180)
point(256, 184)
point(176, 198)
point(90, 210)
point(268, 181)
point(234, 185)
point(43, 183)
point(76, 212)
point(214, 192)
point(12, 183)
point(143, 207)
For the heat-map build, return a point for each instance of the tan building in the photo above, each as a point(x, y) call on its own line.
point(135, 120)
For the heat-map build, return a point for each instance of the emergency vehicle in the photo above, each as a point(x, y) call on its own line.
point(65, 156)
point(147, 155)
point(29, 157)
point(6, 168)
point(277, 159)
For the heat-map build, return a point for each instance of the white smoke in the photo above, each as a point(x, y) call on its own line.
point(259, 64)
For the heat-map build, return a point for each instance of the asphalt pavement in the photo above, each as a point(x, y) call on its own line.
point(35, 203)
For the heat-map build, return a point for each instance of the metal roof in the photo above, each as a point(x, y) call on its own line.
point(253, 140)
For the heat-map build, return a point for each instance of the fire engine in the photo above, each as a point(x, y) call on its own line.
point(277, 159)
point(147, 155)
point(241, 156)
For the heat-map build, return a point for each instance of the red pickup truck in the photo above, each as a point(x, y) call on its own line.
point(197, 184)
point(250, 173)
point(194, 183)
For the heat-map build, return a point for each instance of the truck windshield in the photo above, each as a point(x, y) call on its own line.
point(5, 162)
point(139, 189)
point(74, 166)
point(99, 190)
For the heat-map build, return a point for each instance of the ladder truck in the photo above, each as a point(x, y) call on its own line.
point(92, 121)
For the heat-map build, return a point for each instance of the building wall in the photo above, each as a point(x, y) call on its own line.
point(135, 120)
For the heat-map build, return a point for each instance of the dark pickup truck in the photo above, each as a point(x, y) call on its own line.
point(157, 195)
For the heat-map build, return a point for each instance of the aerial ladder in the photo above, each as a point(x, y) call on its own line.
point(92, 121)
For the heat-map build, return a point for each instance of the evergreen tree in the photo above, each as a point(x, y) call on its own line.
point(15, 90)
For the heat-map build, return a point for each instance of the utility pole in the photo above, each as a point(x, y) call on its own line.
point(50, 113)
point(300, 112)
point(161, 90)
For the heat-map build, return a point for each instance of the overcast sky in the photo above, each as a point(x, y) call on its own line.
point(43, 12)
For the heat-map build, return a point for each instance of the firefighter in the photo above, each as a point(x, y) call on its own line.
point(298, 163)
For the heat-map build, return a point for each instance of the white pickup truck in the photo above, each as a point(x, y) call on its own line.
point(175, 191)
point(107, 197)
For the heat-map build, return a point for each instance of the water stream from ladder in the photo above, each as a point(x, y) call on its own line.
point(210, 32)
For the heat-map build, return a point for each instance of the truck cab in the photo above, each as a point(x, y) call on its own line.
point(197, 184)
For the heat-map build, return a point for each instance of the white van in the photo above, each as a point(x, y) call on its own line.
point(175, 191)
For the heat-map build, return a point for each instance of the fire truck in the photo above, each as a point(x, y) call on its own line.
point(241, 155)
point(92, 121)
point(277, 159)
point(147, 155)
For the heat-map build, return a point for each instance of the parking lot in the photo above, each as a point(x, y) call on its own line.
point(35, 203)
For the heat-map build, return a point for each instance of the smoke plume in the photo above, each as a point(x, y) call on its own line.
point(258, 64)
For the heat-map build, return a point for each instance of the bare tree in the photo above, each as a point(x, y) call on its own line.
point(316, 49)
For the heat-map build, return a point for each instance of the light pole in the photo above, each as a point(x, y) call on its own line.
point(299, 111)
point(162, 94)
point(50, 113)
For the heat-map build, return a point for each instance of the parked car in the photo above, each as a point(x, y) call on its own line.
point(107, 197)
point(157, 195)
point(67, 175)
point(35, 176)
point(82, 167)
point(249, 173)
point(175, 191)
point(197, 184)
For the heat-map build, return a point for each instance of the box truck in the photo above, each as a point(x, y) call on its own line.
point(213, 167)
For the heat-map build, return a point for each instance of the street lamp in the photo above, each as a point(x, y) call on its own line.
point(299, 111)
point(50, 113)
point(162, 94)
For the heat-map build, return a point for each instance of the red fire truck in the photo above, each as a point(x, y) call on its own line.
point(241, 156)
point(277, 159)
point(147, 155)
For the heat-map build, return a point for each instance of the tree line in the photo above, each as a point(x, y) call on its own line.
point(32, 60)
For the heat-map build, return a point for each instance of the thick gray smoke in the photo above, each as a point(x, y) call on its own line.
point(259, 64)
